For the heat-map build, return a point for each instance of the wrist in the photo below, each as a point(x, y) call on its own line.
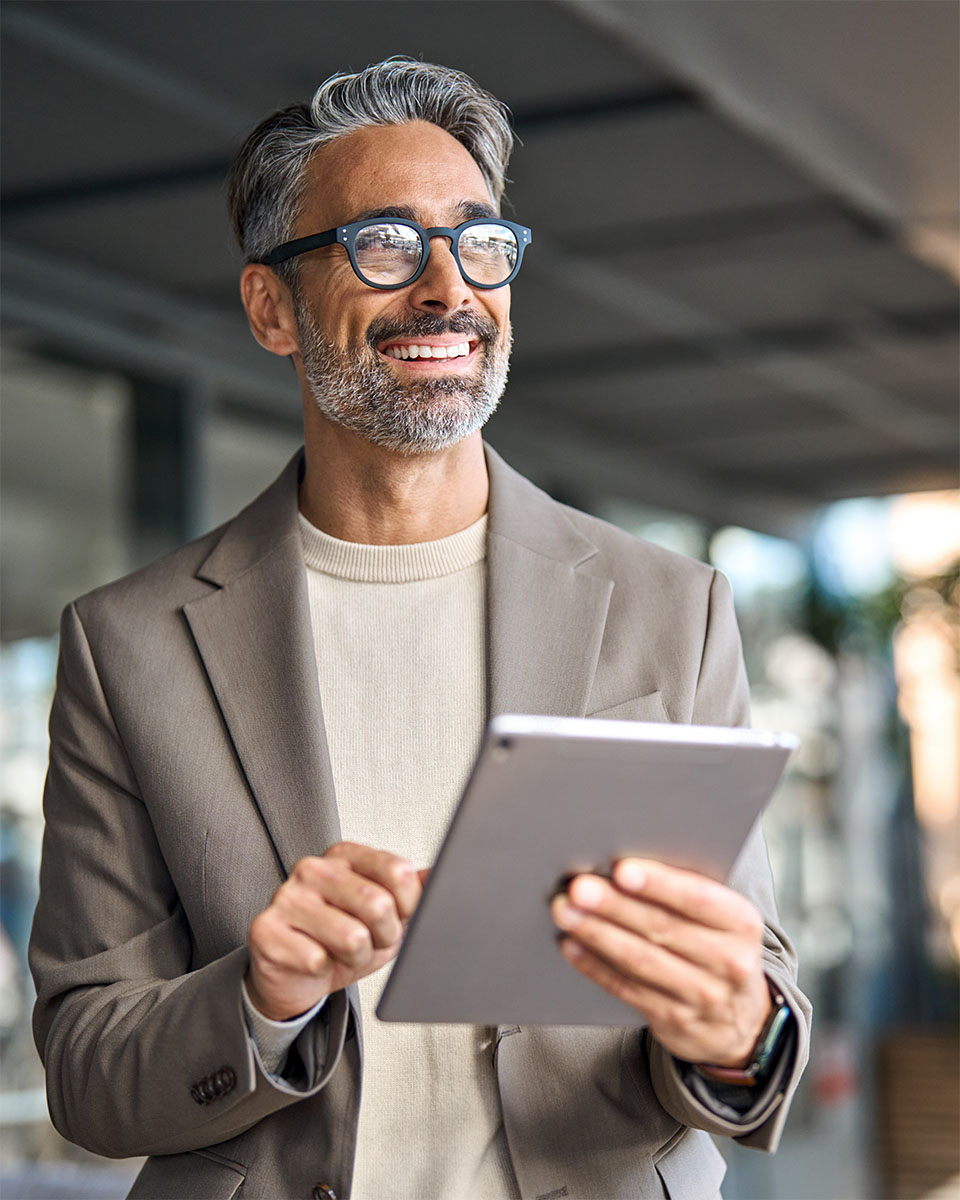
point(766, 1007)
point(764, 1051)
point(274, 1012)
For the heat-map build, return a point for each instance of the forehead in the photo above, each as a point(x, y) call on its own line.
point(416, 164)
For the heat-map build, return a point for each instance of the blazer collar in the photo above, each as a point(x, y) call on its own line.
point(547, 601)
point(260, 529)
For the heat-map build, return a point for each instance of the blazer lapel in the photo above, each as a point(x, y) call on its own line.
point(547, 608)
point(254, 637)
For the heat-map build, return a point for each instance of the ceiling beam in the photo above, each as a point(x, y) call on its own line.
point(39, 273)
point(814, 444)
point(88, 338)
point(33, 26)
point(723, 226)
point(648, 102)
point(93, 316)
point(789, 372)
point(200, 172)
point(863, 95)
point(65, 193)
point(679, 354)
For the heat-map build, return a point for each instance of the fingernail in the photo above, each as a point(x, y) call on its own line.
point(632, 875)
point(571, 948)
point(589, 892)
point(565, 915)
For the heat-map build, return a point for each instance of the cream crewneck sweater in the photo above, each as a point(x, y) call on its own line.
point(400, 638)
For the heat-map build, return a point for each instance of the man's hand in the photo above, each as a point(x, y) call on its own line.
point(682, 949)
point(335, 919)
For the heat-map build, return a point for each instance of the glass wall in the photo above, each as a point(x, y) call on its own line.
point(852, 641)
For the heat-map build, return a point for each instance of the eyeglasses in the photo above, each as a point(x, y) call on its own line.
point(391, 254)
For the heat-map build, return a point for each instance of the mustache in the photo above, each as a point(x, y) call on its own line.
point(384, 329)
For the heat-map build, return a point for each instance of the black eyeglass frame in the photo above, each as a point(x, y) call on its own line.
point(346, 235)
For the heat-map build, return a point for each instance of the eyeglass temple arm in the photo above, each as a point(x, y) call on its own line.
point(299, 246)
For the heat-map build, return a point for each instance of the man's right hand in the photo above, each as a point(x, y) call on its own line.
point(335, 919)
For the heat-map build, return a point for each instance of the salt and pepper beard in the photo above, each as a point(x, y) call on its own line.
point(355, 388)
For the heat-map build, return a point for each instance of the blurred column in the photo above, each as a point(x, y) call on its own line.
point(169, 477)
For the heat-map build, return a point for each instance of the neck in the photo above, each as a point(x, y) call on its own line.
point(359, 492)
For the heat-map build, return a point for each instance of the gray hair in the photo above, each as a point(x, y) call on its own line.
point(268, 177)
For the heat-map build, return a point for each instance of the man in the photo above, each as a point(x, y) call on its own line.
point(257, 743)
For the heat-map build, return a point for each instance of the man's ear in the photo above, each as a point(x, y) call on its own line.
point(269, 308)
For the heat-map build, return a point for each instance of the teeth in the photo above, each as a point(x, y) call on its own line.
point(461, 350)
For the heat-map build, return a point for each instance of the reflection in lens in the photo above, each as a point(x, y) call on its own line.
point(488, 253)
point(388, 254)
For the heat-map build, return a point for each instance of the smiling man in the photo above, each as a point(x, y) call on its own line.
point(257, 743)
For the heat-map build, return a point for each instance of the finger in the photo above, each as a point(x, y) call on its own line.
point(675, 1026)
point(697, 943)
point(640, 960)
point(335, 880)
point(276, 946)
point(342, 936)
point(689, 894)
point(396, 874)
point(653, 1003)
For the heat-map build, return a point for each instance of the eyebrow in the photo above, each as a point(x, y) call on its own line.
point(402, 211)
point(467, 210)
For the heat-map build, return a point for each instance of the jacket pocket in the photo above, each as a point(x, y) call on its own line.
point(692, 1169)
point(637, 708)
point(196, 1175)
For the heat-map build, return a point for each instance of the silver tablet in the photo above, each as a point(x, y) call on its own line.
point(549, 797)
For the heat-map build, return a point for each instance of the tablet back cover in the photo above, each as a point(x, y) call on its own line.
point(551, 797)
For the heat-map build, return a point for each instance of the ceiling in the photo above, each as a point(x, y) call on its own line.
point(741, 301)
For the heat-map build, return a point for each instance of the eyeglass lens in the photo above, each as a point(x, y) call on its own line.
point(389, 254)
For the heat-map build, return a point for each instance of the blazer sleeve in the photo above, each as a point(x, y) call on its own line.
point(143, 1053)
point(722, 698)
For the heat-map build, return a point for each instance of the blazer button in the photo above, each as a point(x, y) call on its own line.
point(323, 1191)
point(225, 1080)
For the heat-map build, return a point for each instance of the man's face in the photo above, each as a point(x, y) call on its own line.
point(352, 336)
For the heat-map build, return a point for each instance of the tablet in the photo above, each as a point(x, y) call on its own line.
point(549, 797)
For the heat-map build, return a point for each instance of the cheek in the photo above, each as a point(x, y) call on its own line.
point(347, 324)
point(506, 330)
point(499, 308)
point(341, 307)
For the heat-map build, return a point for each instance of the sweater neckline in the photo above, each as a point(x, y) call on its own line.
point(393, 564)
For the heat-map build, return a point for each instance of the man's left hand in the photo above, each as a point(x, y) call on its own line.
point(683, 950)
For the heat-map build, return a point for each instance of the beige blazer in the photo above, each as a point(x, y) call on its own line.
point(188, 773)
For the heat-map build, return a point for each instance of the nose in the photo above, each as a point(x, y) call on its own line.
point(441, 287)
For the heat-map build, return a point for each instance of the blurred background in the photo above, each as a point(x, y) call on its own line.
point(736, 335)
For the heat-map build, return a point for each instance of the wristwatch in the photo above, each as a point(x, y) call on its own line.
point(764, 1053)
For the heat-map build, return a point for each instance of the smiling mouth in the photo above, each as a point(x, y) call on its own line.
point(428, 350)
